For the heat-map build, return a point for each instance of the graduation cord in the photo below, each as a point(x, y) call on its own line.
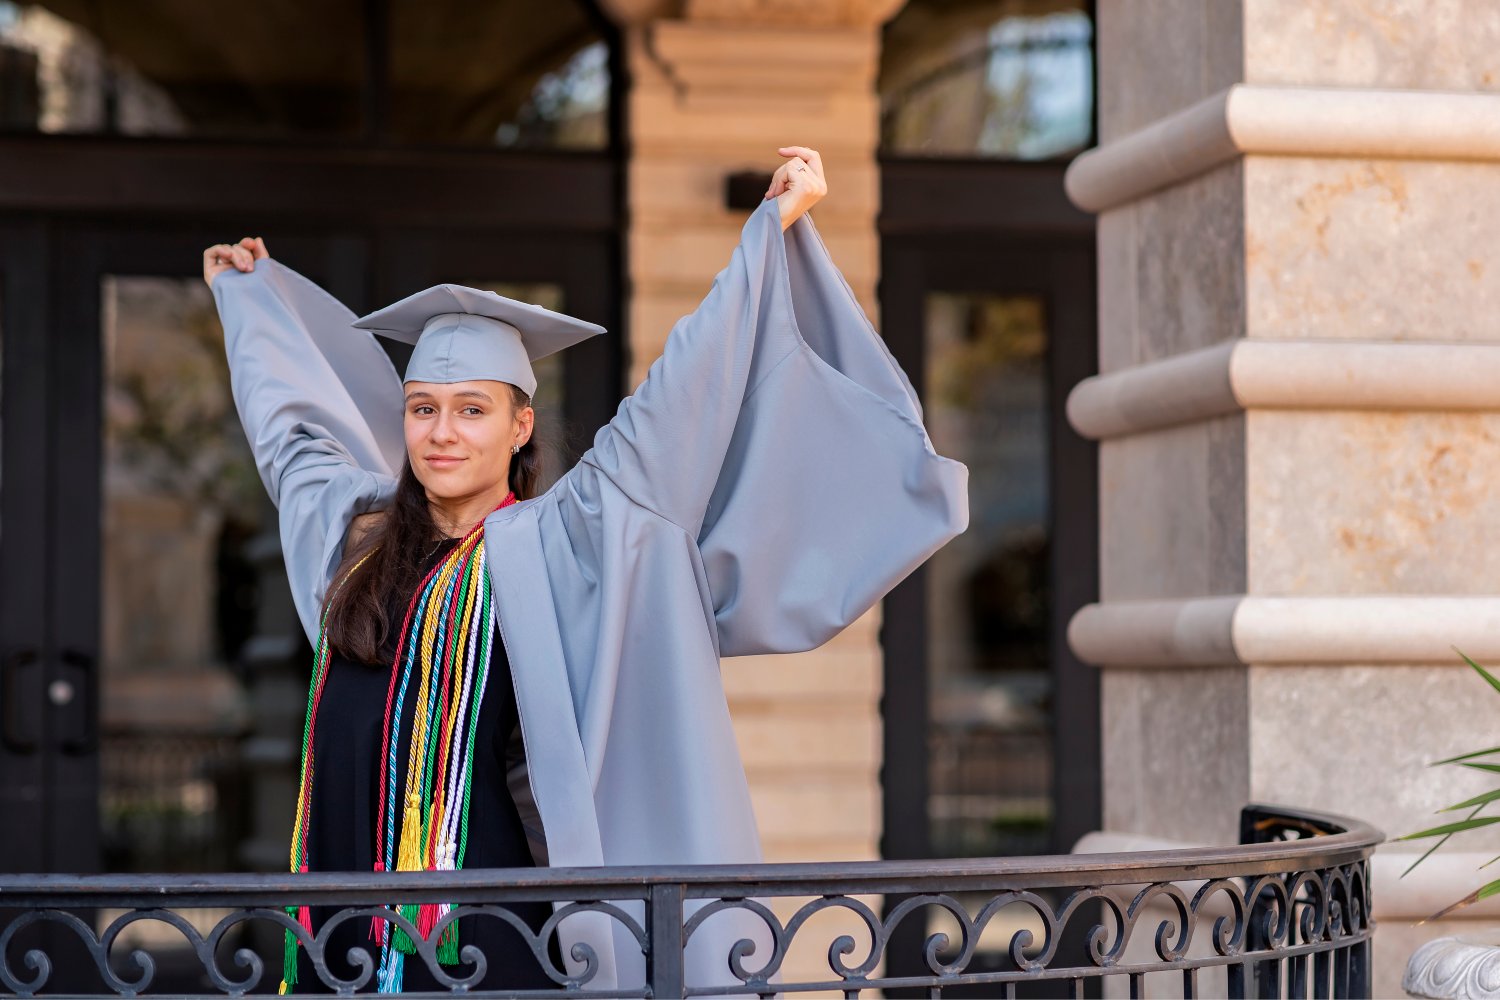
point(441, 622)
point(298, 859)
point(463, 573)
point(409, 853)
point(431, 805)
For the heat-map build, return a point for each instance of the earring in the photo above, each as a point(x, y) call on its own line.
point(515, 449)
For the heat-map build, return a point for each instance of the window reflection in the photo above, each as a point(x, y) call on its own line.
point(989, 683)
point(1008, 79)
point(272, 68)
point(182, 502)
point(567, 108)
point(512, 74)
point(506, 73)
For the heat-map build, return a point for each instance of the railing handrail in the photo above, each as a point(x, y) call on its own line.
point(1292, 901)
point(1353, 842)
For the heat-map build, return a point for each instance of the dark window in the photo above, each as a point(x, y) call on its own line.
point(517, 75)
point(501, 74)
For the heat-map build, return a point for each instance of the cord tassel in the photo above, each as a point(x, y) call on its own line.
point(400, 939)
point(377, 922)
point(390, 973)
point(289, 957)
point(409, 856)
point(447, 952)
point(427, 918)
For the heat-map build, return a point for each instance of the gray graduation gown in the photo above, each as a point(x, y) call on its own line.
point(767, 483)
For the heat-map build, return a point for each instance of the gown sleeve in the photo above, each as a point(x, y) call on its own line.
point(320, 402)
point(779, 430)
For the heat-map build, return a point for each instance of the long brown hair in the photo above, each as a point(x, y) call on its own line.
point(357, 620)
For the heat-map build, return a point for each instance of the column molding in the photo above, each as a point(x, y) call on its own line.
point(1245, 630)
point(1244, 374)
point(1248, 119)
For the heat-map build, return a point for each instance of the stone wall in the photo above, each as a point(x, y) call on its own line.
point(1297, 203)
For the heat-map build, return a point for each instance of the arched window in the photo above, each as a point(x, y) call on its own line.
point(1008, 79)
point(505, 73)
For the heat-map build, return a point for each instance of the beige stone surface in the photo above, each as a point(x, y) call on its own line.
point(1176, 752)
point(1171, 271)
point(1118, 265)
point(1159, 56)
point(1375, 250)
point(847, 737)
point(848, 13)
point(678, 189)
point(1171, 512)
point(832, 121)
point(1372, 503)
point(1420, 44)
point(1190, 264)
point(825, 676)
point(1358, 740)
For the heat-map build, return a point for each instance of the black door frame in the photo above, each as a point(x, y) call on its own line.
point(26, 523)
point(366, 225)
point(973, 226)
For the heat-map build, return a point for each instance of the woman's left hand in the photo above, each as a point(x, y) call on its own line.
point(798, 184)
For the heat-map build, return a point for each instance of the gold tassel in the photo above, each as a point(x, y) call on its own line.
point(409, 856)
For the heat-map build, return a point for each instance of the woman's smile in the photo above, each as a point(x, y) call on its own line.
point(443, 461)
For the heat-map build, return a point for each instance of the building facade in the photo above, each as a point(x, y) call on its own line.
point(1296, 424)
point(1232, 455)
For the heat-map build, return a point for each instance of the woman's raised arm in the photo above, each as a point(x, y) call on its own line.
point(320, 403)
point(240, 256)
point(666, 443)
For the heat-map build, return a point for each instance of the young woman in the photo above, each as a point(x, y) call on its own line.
point(766, 484)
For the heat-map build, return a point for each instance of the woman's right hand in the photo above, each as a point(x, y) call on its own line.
point(242, 255)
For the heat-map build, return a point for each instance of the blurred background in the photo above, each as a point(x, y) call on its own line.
point(382, 146)
point(1266, 561)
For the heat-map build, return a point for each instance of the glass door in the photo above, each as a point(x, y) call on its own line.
point(167, 594)
point(154, 672)
point(990, 723)
point(184, 664)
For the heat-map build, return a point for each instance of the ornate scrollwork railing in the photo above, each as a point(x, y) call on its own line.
point(1285, 913)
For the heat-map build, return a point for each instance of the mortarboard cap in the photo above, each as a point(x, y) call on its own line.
point(463, 333)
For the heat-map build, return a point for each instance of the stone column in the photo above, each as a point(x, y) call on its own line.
point(715, 87)
point(1300, 353)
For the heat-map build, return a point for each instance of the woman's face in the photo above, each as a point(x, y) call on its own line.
point(459, 436)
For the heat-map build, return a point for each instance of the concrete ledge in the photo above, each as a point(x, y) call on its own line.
point(1287, 375)
point(1286, 631)
point(1286, 121)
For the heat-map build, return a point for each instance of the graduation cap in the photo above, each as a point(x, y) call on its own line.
point(461, 333)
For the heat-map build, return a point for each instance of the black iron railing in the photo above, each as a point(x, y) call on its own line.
point(1286, 913)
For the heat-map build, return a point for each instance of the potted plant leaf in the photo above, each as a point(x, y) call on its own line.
point(1450, 966)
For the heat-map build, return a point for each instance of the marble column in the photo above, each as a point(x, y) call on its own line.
point(1297, 409)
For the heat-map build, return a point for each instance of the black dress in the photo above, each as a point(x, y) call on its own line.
point(347, 769)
